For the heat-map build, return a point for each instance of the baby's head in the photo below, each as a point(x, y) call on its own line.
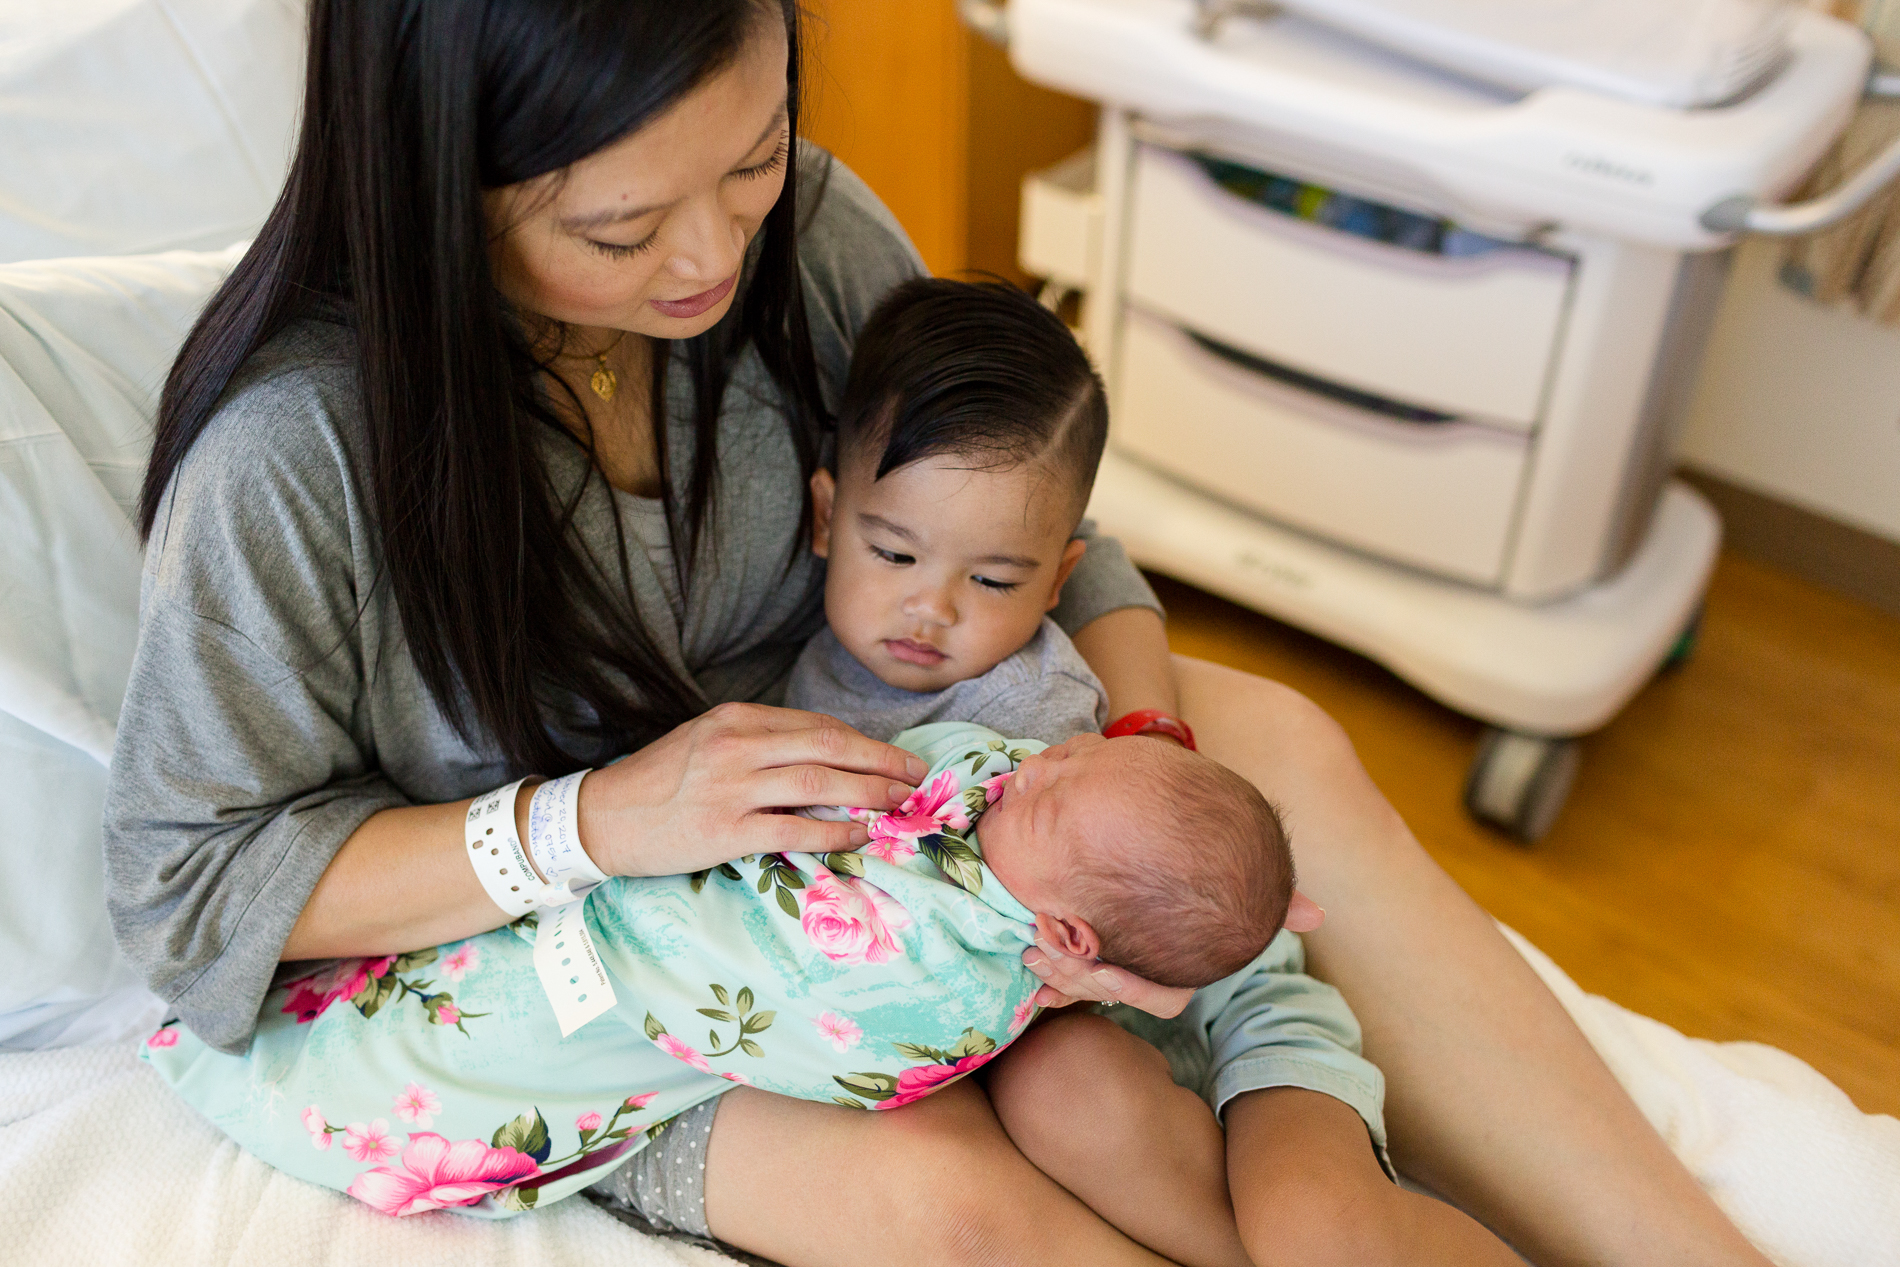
point(968, 439)
point(1149, 856)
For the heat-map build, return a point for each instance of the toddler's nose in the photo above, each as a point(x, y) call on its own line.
point(931, 603)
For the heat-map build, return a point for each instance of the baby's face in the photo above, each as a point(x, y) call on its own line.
point(937, 572)
point(1062, 795)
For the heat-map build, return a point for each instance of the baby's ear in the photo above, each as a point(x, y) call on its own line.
point(824, 492)
point(1071, 555)
point(1071, 934)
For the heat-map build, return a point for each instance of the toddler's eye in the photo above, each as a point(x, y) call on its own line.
point(1002, 587)
point(891, 556)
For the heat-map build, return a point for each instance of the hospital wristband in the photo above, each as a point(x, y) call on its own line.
point(1152, 721)
point(494, 849)
point(554, 841)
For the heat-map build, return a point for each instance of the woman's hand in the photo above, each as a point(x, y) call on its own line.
point(1067, 979)
point(717, 787)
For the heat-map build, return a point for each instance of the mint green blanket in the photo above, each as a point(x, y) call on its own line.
point(440, 1078)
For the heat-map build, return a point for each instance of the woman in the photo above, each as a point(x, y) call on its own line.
point(488, 461)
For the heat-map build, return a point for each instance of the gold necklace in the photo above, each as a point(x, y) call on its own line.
point(604, 382)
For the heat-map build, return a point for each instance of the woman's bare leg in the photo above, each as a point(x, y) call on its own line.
point(1494, 1098)
point(1093, 1107)
point(935, 1182)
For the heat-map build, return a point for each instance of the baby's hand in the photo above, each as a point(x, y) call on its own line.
point(1067, 979)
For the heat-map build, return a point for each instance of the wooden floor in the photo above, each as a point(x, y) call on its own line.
point(1730, 859)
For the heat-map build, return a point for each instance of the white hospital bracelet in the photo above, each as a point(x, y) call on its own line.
point(554, 839)
point(494, 847)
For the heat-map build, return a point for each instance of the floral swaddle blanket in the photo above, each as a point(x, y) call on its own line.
point(440, 1078)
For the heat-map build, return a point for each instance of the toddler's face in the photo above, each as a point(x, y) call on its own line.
point(937, 572)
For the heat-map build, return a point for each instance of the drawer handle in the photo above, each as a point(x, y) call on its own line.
point(1384, 406)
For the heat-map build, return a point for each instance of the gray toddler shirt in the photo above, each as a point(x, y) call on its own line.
point(1045, 691)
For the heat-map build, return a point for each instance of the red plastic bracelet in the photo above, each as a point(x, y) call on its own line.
point(1152, 721)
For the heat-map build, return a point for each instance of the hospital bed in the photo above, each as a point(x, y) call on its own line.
point(160, 135)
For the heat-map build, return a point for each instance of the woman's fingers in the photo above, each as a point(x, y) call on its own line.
point(789, 833)
point(796, 786)
point(1090, 979)
point(819, 740)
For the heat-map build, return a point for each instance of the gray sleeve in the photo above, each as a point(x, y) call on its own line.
point(242, 762)
point(1104, 581)
point(852, 252)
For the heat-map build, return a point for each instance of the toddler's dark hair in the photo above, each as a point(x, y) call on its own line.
point(978, 370)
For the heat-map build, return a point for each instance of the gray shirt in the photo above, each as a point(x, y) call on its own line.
point(1045, 691)
point(273, 704)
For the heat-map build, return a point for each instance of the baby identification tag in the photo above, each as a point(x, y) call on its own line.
point(565, 958)
point(569, 966)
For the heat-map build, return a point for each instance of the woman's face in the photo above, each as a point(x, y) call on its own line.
point(648, 234)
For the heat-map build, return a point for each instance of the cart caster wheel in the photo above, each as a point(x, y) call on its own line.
point(1684, 649)
point(1518, 783)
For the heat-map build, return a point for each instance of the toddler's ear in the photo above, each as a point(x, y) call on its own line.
point(1071, 555)
point(824, 491)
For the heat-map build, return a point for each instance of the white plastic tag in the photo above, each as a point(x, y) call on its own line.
point(569, 966)
point(554, 839)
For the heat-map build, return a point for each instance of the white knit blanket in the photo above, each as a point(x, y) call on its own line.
point(102, 1164)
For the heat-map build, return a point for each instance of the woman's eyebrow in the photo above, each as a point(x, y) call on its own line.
point(619, 215)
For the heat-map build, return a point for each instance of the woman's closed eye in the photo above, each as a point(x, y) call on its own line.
point(621, 251)
point(770, 165)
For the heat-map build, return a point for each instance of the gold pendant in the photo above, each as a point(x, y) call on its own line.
point(605, 382)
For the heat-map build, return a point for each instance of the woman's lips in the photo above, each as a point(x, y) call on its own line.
point(693, 305)
point(914, 653)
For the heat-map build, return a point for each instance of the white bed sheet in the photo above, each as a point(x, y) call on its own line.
point(103, 1164)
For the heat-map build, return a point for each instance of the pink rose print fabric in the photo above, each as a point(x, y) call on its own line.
point(438, 1080)
point(850, 920)
point(435, 1174)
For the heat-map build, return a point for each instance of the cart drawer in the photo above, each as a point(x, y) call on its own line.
point(1469, 336)
point(1061, 235)
point(1439, 496)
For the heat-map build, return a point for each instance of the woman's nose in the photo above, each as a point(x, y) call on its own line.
point(709, 246)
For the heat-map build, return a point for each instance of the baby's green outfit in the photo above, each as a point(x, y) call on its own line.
point(440, 1078)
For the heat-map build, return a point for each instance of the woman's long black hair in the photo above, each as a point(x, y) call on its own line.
point(411, 109)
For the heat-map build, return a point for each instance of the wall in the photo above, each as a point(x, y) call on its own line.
point(1800, 401)
point(936, 122)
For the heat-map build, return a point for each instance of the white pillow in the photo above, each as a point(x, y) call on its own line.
point(84, 348)
point(143, 125)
